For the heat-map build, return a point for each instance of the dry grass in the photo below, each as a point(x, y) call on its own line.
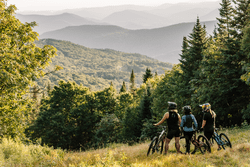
point(135, 156)
point(121, 155)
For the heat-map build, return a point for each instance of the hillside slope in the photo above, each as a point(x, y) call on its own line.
point(163, 44)
point(97, 68)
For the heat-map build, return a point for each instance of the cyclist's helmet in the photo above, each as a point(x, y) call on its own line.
point(172, 105)
point(206, 106)
point(187, 109)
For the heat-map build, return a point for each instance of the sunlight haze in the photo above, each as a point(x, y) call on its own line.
point(38, 5)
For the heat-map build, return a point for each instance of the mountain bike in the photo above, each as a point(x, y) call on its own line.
point(157, 142)
point(201, 143)
point(222, 140)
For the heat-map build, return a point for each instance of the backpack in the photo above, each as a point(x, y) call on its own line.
point(189, 121)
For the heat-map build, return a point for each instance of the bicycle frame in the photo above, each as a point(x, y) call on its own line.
point(160, 137)
point(216, 137)
point(199, 142)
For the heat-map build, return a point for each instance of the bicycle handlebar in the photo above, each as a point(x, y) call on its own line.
point(163, 127)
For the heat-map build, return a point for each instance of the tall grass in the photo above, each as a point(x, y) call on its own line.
point(14, 153)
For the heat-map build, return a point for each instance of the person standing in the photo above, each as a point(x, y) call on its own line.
point(187, 122)
point(208, 123)
point(173, 122)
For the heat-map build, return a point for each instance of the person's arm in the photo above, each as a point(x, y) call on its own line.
point(179, 121)
point(214, 118)
point(203, 124)
point(195, 122)
point(182, 120)
point(166, 116)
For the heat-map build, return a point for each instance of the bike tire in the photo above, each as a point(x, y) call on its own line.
point(160, 146)
point(204, 144)
point(151, 146)
point(183, 146)
point(225, 140)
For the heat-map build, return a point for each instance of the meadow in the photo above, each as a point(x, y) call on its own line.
point(15, 153)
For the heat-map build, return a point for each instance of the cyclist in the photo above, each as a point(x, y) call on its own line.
point(173, 122)
point(208, 123)
point(187, 122)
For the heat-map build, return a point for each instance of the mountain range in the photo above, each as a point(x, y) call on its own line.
point(163, 44)
point(156, 32)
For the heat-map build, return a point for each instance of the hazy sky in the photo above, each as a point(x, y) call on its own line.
point(30, 5)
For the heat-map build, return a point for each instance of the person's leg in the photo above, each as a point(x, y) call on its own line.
point(167, 145)
point(177, 144)
point(187, 142)
point(188, 136)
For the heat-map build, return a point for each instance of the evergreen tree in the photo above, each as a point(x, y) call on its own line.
point(145, 105)
point(191, 58)
point(147, 75)
point(241, 17)
point(225, 28)
point(123, 88)
point(246, 64)
point(222, 69)
point(132, 82)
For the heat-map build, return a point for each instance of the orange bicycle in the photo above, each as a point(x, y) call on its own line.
point(201, 143)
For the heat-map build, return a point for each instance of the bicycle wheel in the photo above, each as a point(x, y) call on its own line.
point(225, 140)
point(159, 149)
point(204, 144)
point(151, 148)
point(183, 146)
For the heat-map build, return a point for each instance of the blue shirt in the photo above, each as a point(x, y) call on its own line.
point(186, 129)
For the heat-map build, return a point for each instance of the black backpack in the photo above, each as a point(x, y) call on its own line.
point(189, 121)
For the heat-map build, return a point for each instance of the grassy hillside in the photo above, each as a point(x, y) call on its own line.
point(121, 155)
point(97, 68)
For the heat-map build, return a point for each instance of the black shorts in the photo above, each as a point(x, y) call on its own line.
point(208, 133)
point(173, 133)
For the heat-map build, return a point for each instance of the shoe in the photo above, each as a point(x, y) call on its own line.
point(219, 149)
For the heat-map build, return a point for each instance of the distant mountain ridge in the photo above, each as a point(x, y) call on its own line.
point(133, 29)
point(134, 16)
point(163, 44)
point(53, 22)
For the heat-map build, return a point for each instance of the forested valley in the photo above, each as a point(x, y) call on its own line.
point(96, 68)
point(86, 98)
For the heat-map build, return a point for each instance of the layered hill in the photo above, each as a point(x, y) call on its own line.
point(53, 22)
point(97, 68)
point(163, 44)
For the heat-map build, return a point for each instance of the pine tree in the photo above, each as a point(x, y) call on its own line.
point(225, 21)
point(191, 57)
point(132, 82)
point(147, 75)
point(222, 68)
point(241, 17)
point(123, 88)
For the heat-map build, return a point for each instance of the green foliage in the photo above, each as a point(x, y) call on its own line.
point(15, 153)
point(131, 124)
point(61, 117)
point(124, 100)
point(123, 88)
point(147, 75)
point(21, 63)
point(96, 68)
point(108, 130)
point(106, 101)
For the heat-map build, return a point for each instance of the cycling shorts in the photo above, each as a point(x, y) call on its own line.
point(173, 133)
